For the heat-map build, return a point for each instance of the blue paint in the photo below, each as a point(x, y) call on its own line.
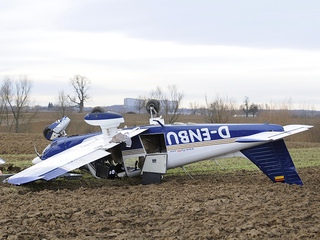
point(63, 143)
point(185, 133)
point(274, 160)
point(102, 116)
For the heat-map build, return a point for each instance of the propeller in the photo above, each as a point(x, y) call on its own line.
point(36, 151)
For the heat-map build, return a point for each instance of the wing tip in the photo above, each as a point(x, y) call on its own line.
point(20, 180)
point(292, 127)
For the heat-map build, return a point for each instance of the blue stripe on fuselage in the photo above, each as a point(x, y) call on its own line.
point(174, 134)
point(187, 133)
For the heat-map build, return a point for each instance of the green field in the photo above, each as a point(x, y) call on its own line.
point(302, 158)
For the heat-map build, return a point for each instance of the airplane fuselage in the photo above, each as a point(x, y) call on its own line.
point(182, 144)
point(151, 150)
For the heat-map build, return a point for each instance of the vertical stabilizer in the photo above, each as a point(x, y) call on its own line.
point(275, 161)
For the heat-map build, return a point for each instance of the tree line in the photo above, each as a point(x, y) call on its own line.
point(15, 110)
point(15, 106)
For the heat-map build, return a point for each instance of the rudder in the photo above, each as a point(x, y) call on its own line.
point(273, 158)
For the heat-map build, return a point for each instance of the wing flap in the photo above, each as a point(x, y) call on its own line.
point(75, 164)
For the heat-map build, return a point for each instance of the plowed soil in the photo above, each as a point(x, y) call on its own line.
point(240, 205)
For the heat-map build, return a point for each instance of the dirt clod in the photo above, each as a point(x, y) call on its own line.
point(208, 207)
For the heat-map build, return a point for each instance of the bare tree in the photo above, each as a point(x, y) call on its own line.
point(15, 95)
point(64, 104)
point(3, 108)
point(170, 103)
point(219, 110)
point(173, 104)
point(195, 107)
point(157, 94)
point(140, 103)
point(245, 106)
point(254, 108)
point(248, 108)
point(80, 85)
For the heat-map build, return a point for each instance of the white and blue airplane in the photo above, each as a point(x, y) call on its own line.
point(149, 151)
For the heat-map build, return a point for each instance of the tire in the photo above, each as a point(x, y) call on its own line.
point(98, 110)
point(153, 103)
point(46, 131)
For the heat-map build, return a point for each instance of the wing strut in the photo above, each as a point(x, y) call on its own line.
point(183, 168)
point(216, 161)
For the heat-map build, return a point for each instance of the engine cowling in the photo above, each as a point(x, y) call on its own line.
point(104, 119)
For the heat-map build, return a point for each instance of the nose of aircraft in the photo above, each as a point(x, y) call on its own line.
point(36, 160)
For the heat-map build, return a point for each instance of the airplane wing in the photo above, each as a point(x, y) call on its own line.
point(273, 136)
point(88, 151)
point(57, 165)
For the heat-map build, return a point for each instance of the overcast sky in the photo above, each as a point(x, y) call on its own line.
point(268, 50)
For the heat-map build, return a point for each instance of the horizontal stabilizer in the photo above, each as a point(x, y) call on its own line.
point(273, 136)
point(275, 161)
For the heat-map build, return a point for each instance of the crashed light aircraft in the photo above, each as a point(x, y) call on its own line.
point(149, 151)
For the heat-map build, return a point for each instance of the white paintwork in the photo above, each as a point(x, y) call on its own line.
point(273, 136)
point(155, 163)
point(88, 151)
point(95, 147)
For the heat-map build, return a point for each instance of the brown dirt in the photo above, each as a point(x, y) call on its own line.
point(21, 143)
point(240, 205)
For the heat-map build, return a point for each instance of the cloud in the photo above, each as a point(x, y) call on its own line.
point(249, 23)
point(269, 23)
point(266, 50)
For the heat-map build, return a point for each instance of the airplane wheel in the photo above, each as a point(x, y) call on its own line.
point(46, 131)
point(153, 103)
point(97, 110)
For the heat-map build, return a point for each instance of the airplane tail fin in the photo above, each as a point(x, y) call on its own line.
point(275, 161)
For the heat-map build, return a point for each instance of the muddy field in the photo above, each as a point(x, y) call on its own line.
point(238, 205)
